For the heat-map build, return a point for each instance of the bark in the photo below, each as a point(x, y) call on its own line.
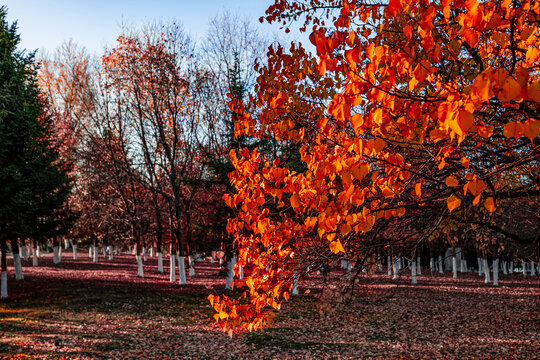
point(441, 270)
point(524, 267)
point(295, 283)
point(419, 266)
point(75, 257)
point(140, 270)
point(454, 263)
point(230, 273)
point(496, 272)
point(172, 268)
point(182, 270)
point(3, 276)
point(396, 269)
point(414, 281)
point(479, 266)
point(191, 265)
point(160, 263)
point(486, 270)
point(389, 264)
point(532, 268)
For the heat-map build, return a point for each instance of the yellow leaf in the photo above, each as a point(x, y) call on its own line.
point(336, 247)
point(451, 181)
point(453, 203)
point(489, 204)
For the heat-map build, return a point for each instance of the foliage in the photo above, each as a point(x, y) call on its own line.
point(408, 111)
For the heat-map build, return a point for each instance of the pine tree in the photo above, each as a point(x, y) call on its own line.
point(34, 182)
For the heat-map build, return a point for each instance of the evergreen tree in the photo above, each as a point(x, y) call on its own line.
point(34, 182)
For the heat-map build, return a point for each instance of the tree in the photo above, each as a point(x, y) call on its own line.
point(406, 107)
point(35, 182)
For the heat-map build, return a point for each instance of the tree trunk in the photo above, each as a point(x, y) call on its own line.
point(172, 267)
point(414, 281)
point(454, 263)
point(496, 272)
point(532, 268)
point(75, 256)
point(511, 267)
point(38, 250)
point(230, 273)
point(479, 266)
point(419, 266)
point(486, 270)
point(240, 272)
point(441, 269)
point(524, 267)
point(504, 267)
point(396, 269)
point(389, 264)
point(295, 283)
point(17, 260)
point(91, 251)
point(191, 265)
point(95, 252)
point(34, 257)
point(3, 276)
point(140, 269)
point(160, 262)
point(144, 254)
point(24, 253)
point(182, 270)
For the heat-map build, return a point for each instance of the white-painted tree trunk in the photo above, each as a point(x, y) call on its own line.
point(182, 270)
point(198, 257)
point(24, 253)
point(95, 252)
point(66, 244)
point(144, 254)
point(496, 272)
point(18, 267)
point(91, 251)
point(462, 266)
point(524, 267)
point(466, 267)
point(380, 268)
point(295, 283)
point(504, 268)
point(59, 254)
point(230, 273)
point(191, 266)
point(511, 268)
point(38, 250)
point(172, 268)
point(486, 271)
point(344, 264)
point(221, 263)
point(4, 284)
point(532, 268)
point(152, 252)
point(454, 267)
point(396, 269)
point(56, 249)
point(111, 252)
point(389, 264)
point(418, 266)
point(160, 262)
point(432, 264)
point(75, 256)
point(479, 266)
point(414, 281)
point(441, 269)
point(240, 272)
point(140, 269)
point(34, 258)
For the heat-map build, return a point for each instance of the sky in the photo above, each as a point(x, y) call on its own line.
point(45, 24)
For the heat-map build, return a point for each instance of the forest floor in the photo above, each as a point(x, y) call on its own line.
point(81, 310)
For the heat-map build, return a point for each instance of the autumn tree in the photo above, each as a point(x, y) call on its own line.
point(404, 107)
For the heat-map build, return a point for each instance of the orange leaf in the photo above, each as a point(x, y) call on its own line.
point(477, 199)
point(453, 203)
point(489, 204)
point(465, 162)
point(295, 201)
point(418, 189)
point(451, 181)
point(345, 229)
point(394, 7)
point(512, 130)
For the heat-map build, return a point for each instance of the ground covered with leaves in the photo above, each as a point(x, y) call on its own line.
point(81, 310)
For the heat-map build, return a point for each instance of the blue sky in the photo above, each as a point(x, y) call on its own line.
point(46, 24)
